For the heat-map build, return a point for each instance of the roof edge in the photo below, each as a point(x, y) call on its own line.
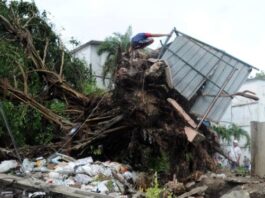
point(91, 42)
point(216, 49)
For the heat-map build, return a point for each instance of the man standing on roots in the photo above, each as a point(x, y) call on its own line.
point(142, 40)
point(234, 155)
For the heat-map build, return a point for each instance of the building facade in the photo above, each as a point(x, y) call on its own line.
point(88, 53)
point(242, 110)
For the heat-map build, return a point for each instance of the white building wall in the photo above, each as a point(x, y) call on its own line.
point(90, 56)
point(243, 110)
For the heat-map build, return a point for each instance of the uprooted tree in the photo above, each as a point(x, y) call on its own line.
point(133, 123)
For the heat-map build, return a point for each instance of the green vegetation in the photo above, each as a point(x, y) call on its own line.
point(18, 70)
point(155, 191)
point(241, 171)
point(114, 46)
point(160, 163)
point(260, 75)
point(27, 125)
point(227, 134)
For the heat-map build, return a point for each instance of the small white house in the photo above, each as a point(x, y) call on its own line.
point(88, 53)
point(242, 110)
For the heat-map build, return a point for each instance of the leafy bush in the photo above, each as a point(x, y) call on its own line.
point(155, 191)
point(58, 107)
point(19, 71)
point(26, 124)
point(160, 162)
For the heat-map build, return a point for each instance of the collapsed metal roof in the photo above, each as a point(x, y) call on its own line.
point(199, 69)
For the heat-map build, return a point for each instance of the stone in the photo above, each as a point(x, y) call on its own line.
point(214, 185)
point(190, 185)
point(199, 190)
point(175, 187)
point(236, 194)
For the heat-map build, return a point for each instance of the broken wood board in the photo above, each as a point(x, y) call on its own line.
point(193, 136)
point(182, 112)
point(56, 190)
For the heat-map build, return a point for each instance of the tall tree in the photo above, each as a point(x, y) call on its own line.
point(36, 70)
point(114, 46)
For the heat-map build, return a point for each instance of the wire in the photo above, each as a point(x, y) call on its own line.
point(93, 110)
point(10, 133)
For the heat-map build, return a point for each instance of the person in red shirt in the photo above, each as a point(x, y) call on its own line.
point(141, 40)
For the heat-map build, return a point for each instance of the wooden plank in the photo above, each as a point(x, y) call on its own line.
point(182, 112)
point(193, 136)
point(35, 184)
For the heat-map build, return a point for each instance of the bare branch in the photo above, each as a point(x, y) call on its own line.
point(48, 72)
point(61, 67)
point(47, 113)
point(62, 63)
point(28, 21)
point(25, 78)
point(45, 51)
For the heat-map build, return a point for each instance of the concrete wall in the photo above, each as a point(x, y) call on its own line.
point(258, 148)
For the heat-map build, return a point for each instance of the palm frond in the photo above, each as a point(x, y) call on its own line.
point(114, 46)
point(227, 134)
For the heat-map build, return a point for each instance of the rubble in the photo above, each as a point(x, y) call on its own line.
point(237, 193)
point(100, 177)
point(7, 165)
point(134, 123)
point(119, 180)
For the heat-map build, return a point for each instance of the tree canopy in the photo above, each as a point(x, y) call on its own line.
point(34, 66)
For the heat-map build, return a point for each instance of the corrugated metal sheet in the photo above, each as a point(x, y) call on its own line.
point(196, 66)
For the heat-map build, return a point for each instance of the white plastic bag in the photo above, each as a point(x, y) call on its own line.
point(67, 169)
point(27, 165)
point(83, 179)
point(102, 187)
point(84, 161)
point(55, 175)
point(92, 169)
point(7, 165)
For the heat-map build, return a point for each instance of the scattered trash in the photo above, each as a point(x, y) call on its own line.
point(83, 179)
point(7, 165)
point(58, 169)
point(56, 158)
point(37, 195)
point(74, 129)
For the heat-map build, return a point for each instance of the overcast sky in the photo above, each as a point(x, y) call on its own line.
point(235, 26)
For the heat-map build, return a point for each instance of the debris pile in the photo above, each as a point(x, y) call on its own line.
point(136, 123)
point(116, 180)
point(110, 178)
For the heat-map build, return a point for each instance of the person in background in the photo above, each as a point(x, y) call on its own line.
point(246, 162)
point(142, 40)
point(234, 155)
